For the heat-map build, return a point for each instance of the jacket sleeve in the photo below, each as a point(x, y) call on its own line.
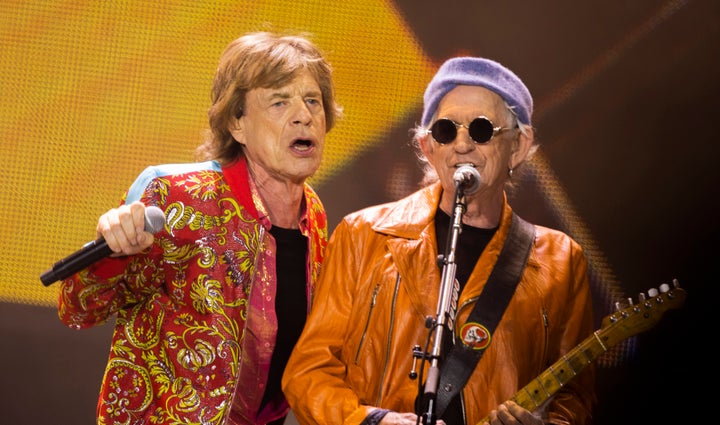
point(574, 402)
point(92, 296)
point(314, 376)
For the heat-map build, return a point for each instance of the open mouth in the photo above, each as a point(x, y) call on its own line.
point(302, 145)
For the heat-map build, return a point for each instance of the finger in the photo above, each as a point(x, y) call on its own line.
point(105, 229)
point(521, 414)
point(137, 233)
point(124, 229)
point(504, 416)
point(493, 418)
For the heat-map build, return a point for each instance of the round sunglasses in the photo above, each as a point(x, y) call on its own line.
point(481, 130)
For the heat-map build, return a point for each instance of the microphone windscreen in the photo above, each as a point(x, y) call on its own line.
point(154, 219)
point(467, 178)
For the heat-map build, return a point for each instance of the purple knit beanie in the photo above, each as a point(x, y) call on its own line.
point(469, 71)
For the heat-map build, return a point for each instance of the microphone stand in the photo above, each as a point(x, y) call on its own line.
point(446, 307)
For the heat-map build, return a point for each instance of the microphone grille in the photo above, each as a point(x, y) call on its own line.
point(154, 219)
point(468, 177)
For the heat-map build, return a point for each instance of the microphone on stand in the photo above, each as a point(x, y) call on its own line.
point(96, 250)
point(467, 178)
point(467, 181)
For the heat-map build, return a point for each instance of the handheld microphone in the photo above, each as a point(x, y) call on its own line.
point(96, 250)
point(467, 178)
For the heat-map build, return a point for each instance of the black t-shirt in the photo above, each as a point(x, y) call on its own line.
point(290, 302)
point(470, 244)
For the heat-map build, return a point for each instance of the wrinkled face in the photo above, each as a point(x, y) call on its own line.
point(463, 104)
point(283, 129)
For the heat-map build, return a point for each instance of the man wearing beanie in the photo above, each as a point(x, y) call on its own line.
point(442, 306)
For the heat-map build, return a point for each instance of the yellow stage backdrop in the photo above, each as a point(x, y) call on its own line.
point(94, 91)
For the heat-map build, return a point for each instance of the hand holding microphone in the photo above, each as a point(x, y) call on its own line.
point(129, 228)
point(125, 230)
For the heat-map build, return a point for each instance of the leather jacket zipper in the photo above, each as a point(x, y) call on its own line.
point(388, 343)
point(373, 300)
point(546, 325)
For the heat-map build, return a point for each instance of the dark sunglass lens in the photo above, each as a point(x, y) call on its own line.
point(443, 131)
point(481, 130)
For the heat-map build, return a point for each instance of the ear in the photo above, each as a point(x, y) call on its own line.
point(236, 129)
point(426, 145)
point(521, 148)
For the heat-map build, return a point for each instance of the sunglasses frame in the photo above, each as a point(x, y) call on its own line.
point(495, 130)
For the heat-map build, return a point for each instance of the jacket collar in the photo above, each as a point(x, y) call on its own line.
point(408, 219)
point(410, 223)
point(243, 187)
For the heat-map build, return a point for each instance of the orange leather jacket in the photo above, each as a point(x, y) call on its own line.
point(380, 281)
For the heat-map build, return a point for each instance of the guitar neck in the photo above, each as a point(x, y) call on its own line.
point(617, 327)
point(540, 389)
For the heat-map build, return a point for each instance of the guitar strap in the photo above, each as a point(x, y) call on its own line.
point(476, 333)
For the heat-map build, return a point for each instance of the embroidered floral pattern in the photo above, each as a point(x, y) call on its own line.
point(176, 354)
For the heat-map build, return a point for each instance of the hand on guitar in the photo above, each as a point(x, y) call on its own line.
point(510, 413)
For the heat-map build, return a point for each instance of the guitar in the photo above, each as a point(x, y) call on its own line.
point(615, 328)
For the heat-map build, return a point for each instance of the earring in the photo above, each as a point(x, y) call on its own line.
point(510, 172)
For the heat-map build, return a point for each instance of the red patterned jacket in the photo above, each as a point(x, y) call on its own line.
point(196, 322)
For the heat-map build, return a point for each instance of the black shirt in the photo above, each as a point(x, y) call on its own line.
point(290, 302)
point(470, 244)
